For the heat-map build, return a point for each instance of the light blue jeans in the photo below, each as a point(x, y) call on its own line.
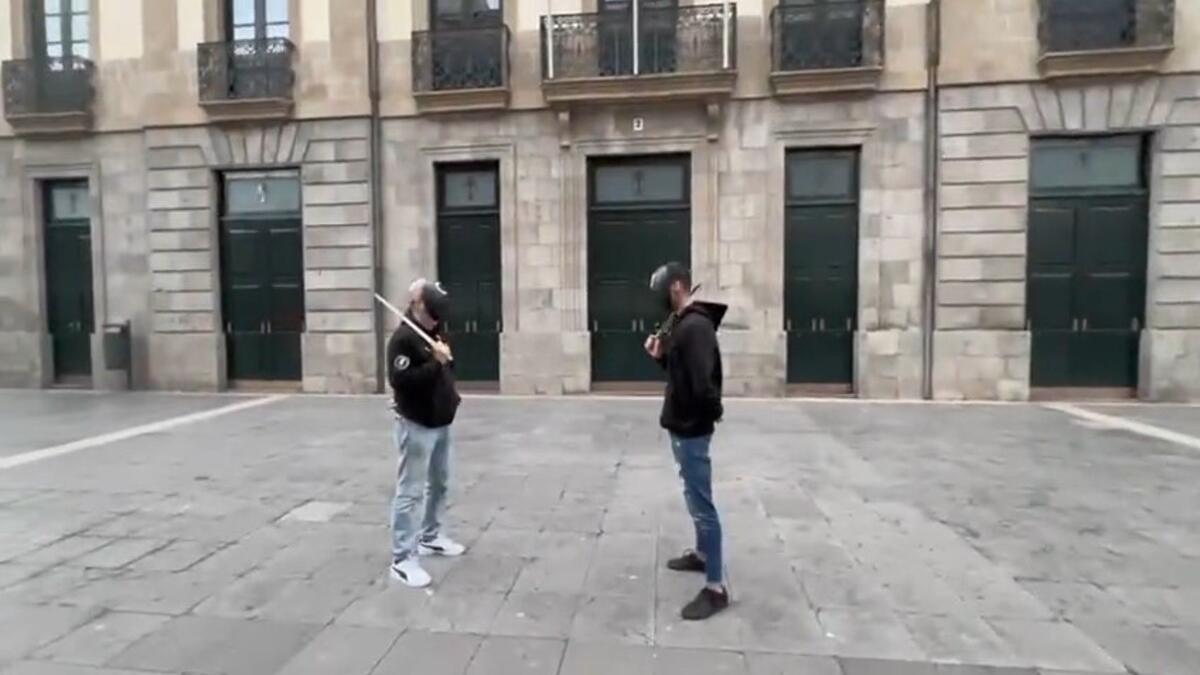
point(695, 468)
point(421, 481)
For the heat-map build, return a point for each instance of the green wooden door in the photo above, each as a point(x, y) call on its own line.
point(469, 266)
point(262, 277)
point(1088, 231)
point(639, 219)
point(1086, 290)
point(821, 266)
point(68, 245)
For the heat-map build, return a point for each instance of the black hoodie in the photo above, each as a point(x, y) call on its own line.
point(423, 389)
point(692, 359)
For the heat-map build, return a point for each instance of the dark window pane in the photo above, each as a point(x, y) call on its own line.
point(243, 12)
point(469, 189)
point(640, 183)
point(277, 11)
point(1086, 163)
point(820, 176)
point(262, 194)
point(69, 201)
point(53, 29)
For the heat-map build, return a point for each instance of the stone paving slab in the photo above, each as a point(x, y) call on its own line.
point(1184, 419)
point(40, 420)
point(862, 539)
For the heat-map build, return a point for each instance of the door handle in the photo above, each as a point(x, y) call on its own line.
point(228, 327)
point(1137, 325)
point(269, 329)
point(849, 325)
point(822, 323)
point(812, 325)
point(1085, 324)
point(1074, 325)
point(498, 325)
point(595, 326)
point(633, 325)
point(787, 325)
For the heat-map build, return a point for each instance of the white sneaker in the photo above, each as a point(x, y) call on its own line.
point(410, 573)
point(441, 545)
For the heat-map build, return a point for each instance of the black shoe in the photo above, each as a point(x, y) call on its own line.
point(707, 603)
point(688, 562)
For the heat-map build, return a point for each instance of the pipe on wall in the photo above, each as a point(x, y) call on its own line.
point(933, 33)
point(376, 170)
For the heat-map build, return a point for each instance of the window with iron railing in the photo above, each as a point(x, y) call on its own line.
point(47, 86)
point(254, 62)
point(451, 59)
point(1098, 25)
point(245, 69)
point(650, 37)
point(827, 34)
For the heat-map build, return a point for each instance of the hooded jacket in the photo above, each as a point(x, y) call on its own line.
point(692, 359)
point(422, 388)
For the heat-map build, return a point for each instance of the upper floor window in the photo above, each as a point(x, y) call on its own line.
point(61, 29)
point(451, 14)
point(257, 19)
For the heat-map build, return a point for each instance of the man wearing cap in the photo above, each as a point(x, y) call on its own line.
point(689, 352)
point(425, 400)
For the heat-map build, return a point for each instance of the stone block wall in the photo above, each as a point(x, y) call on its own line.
point(981, 365)
point(737, 172)
point(183, 166)
point(113, 165)
point(984, 195)
point(889, 131)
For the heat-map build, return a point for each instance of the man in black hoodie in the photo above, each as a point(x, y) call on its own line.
point(425, 400)
point(691, 408)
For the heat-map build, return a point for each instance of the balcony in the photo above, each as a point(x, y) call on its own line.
point(1104, 37)
point(48, 95)
point(246, 79)
point(461, 69)
point(828, 47)
point(683, 52)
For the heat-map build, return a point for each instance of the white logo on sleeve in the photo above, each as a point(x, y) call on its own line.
point(401, 363)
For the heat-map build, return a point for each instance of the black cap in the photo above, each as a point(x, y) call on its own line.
point(664, 276)
point(436, 300)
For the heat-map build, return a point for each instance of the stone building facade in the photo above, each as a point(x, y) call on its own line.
point(940, 256)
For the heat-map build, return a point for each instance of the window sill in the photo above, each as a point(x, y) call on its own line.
point(462, 100)
point(248, 109)
point(640, 87)
point(831, 80)
point(1128, 61)
point(51, 124)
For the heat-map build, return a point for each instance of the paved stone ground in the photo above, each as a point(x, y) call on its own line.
point(863, 539)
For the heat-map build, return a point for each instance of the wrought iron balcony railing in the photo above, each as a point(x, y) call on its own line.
point(469, 58)
point(247, 71)
point(1104, 36)
point(1095, 25)
point(827, 35)
point(678, 40)
point(48, 94)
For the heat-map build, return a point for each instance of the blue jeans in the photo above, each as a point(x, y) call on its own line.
point(695, 468)
point(421, 481)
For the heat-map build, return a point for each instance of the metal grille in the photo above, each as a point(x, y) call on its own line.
point(47, 85)
point(246, 69)
point(667, 40)
point(1074, 26)
point(453, 59)
point(821, 35)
